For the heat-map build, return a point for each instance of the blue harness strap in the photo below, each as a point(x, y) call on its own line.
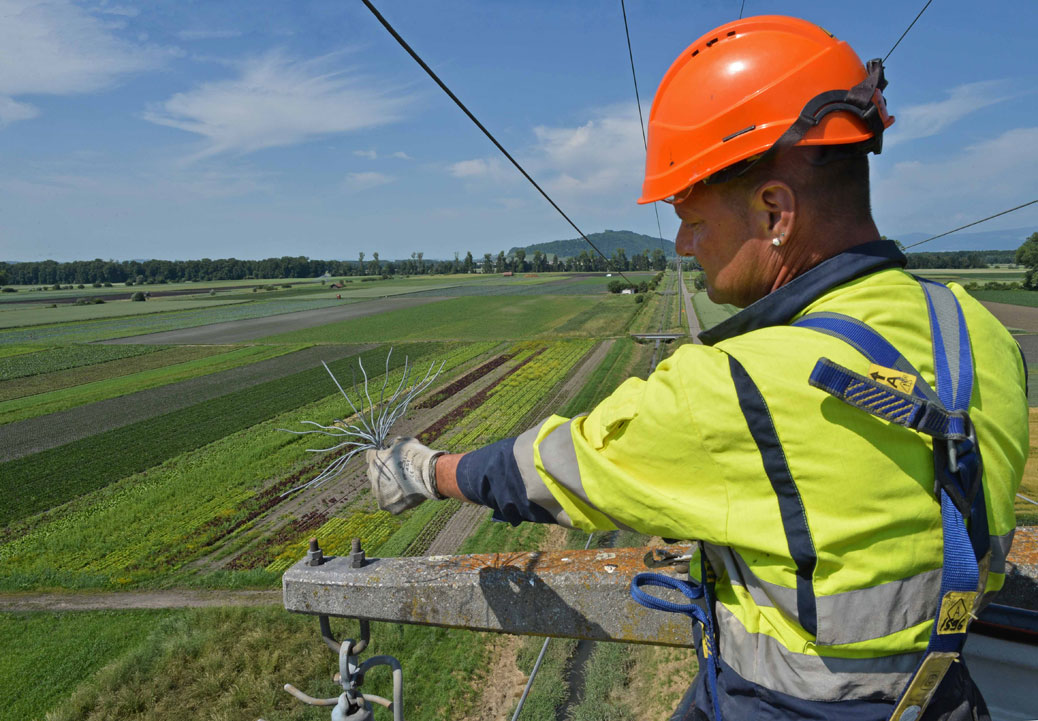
point(701, 611)
point(941, 414)
point(944, 416)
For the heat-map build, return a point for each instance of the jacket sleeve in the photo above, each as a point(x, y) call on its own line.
point(636, 461)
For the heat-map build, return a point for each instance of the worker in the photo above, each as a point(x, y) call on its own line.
point(824, 445)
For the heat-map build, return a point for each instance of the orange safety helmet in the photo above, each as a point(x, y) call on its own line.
point(754, 87)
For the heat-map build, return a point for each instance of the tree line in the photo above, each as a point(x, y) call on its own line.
point(137, 272)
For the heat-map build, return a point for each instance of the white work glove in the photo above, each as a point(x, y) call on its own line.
point(403, 475)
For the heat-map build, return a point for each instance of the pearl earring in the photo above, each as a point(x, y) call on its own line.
point(777, 241)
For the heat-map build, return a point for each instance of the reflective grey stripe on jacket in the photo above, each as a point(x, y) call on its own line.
point(762, 660)
point(847, 617)
point(851, 616)
point(559, 457)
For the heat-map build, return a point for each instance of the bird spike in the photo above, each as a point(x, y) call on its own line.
point(372, 423)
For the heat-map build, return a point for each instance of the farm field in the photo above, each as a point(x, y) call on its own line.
point(153, 466)
point(104, 329)
point(27, 315)
point(710, 313)
point(200, 289)
point(1026, 298)
point(481, 317)
point(33, 396)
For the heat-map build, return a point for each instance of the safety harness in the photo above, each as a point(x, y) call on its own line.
point(895, 391)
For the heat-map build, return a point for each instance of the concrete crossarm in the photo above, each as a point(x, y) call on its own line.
point(573, 594)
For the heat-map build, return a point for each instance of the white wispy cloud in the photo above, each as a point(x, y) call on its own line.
point(11, 111)
point(602, 157)
point(277, 100)
point(481, 169)
point(189, 35)
point(356, 182)
point(56, 47)
point(372, 154)
point(980, 180)
point(926, 119)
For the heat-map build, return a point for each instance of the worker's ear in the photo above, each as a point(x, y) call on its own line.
point(774, 206)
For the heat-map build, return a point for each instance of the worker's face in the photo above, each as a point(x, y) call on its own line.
point(717, 228)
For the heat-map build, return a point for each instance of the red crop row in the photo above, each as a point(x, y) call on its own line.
point(441, 426)
point(260, 554)
point(466, 380)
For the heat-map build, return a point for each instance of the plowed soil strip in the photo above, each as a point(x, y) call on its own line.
point(124, 600)
point(458, 528)
point(1014, 316)
point(56, 429)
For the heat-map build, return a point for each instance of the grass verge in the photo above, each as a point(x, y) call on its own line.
point(54, 649)
point(230, 663)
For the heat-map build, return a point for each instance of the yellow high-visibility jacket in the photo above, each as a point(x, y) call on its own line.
point(676, 456)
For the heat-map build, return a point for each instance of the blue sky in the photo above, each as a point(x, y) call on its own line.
point(179, 129)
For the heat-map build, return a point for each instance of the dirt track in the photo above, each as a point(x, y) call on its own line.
point(124, 600)
point(1015, 316)
point(694, 328)
point(237, 331)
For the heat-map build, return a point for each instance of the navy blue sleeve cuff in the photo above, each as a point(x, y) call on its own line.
point(490, 476)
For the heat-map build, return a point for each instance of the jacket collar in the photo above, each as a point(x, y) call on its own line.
point(780, 306)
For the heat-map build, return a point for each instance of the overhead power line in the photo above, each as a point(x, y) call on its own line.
point(970, 225)
point(641, 119)
point(490, 136)
point(906, 29)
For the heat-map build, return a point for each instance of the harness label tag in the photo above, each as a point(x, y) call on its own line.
point(898, 380)
point(956, 607)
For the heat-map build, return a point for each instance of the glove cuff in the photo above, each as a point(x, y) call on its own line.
point(430, 475)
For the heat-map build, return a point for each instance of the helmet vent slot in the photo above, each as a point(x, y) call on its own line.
point(695, 52)
point(730, 33)
point(711, 42)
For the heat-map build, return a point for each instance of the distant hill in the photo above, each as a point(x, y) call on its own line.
point(608, 242)
point(1009, 239)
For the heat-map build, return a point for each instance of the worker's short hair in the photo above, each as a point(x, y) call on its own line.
point(830, 179)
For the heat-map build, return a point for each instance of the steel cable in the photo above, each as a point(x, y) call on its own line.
point(429, 71)
point(906, 30)
point(1032, 502)
point(970, 225)
point(641, 119)
point(540, 657)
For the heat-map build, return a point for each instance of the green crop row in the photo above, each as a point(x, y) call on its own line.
point(42, 480)
point(74, 356)
point(471, 318)
point(517, 395)
point(65, 389)
point(373, 529)
point(159, 520)
point(603, 380)
point(7, 351)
